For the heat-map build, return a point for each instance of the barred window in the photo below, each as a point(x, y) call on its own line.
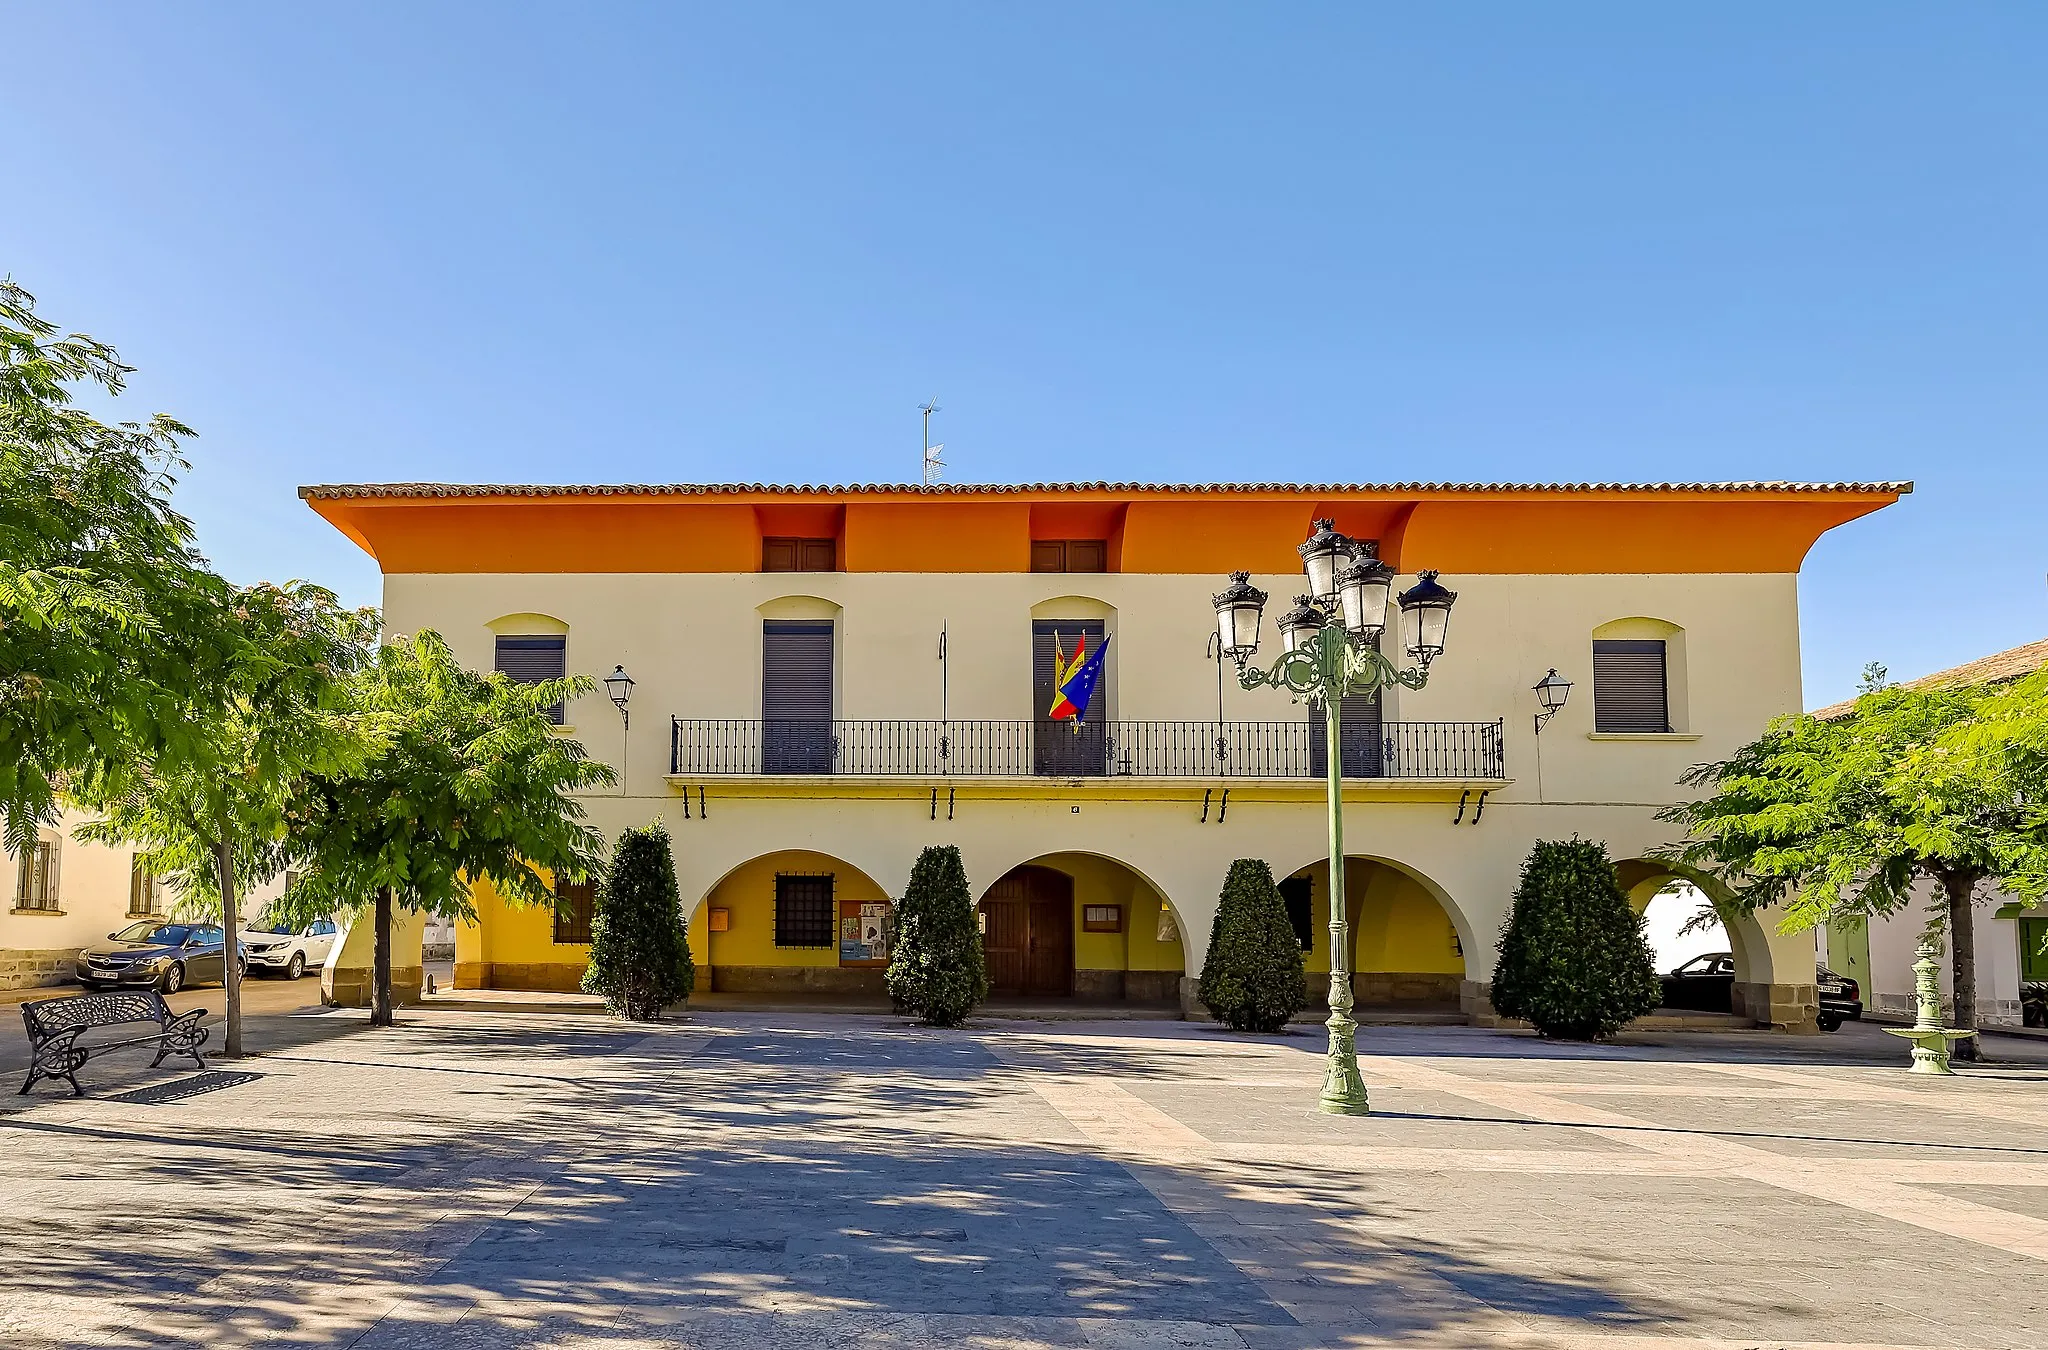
point(145, 893)
point(804, 911)
point(35, 877)
point(574, 902)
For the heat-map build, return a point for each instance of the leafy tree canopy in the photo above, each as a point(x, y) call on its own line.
point(469, 779)
point(106, 608)
point(1838, 817)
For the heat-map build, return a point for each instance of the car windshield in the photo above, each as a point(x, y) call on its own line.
point(169, 934)
point(273, 927)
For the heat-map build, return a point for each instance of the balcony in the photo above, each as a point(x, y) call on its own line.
point(718, 747)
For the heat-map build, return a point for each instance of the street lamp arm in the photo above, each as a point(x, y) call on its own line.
point(1331, 663)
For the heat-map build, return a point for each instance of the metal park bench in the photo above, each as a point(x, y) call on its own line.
point(55, 1026)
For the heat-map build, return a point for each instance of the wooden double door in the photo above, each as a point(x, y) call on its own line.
point(1027, 932)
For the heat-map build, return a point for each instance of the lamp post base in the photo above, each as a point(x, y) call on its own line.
point(1343, 1085)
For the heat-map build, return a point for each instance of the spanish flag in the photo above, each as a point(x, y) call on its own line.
point(1074, 681)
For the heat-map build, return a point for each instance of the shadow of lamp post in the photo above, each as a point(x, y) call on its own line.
point(1330, 641)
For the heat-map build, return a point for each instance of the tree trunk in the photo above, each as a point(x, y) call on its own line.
point(1962, 945)
point(380, 963)
point(230, 922)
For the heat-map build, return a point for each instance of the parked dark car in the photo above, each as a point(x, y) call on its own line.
point(153, 953)
point(1707, 984)
point(1841, 999)
point(1704, 984)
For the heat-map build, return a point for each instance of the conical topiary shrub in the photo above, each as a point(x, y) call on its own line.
point(1573, 959)
point(935, 969)
point(639, 951)
point(1251, 979)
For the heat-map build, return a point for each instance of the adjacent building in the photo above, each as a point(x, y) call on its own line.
point(828, 679)
point(2011, 936)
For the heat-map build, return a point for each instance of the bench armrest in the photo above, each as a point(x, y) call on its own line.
point(184, 1020)
point(58, 1041)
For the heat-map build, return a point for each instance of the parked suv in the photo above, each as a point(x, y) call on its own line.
point(280, 949)
point(168, 956)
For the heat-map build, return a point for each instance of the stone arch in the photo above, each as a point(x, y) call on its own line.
point(1676, 689)
point(1141, 962)
point(733, 928)
point(1773, 986)
point(1411, 944)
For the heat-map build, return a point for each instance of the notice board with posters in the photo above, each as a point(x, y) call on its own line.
point(863, 933)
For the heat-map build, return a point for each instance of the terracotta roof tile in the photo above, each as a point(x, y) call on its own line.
point(2013, 664)
point(345, 490)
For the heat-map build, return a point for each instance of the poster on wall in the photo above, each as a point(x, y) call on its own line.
point(863, 932)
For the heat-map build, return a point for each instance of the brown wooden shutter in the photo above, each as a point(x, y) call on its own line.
point(786, 554)
point(1629, 686)
point(530, 660)
point(796, 697)
point(1087, 555)
point(1048, 555)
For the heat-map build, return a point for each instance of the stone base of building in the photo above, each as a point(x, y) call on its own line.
point(1384, 988)
point(349, 987)
point(1127, 986)
point(860, 982)
point(1780, 1007)
point(551, 977)
point(36, 967)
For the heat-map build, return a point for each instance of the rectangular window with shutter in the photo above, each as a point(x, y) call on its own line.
point(1628, 686)
point(804, 911)
point(530, 660)
point(575, 902)
point(796, 697)
point(785, 554)
point(1070, 555)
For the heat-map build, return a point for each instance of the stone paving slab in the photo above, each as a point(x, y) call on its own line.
point(495, 1179)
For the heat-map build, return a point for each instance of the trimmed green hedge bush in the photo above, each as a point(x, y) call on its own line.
point(1251, 979)
point(1573, 959)
point(639, 951)
point(936, 969)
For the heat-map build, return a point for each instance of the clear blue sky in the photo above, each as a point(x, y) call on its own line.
point(1175, 241)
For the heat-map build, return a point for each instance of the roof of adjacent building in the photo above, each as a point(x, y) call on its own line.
point(2014, 663)
point(321, 491)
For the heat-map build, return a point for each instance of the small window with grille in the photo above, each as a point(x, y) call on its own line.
point(804, 910)
point(574, 902)
point(145, 893)
point(35, 877)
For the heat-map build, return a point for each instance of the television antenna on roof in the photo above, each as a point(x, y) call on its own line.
point(934, 467)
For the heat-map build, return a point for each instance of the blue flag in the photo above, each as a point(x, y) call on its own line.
point(1077, 681)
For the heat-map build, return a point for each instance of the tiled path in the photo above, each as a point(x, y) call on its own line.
point(486, 1180)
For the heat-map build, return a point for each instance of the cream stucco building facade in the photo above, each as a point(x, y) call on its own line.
point(795, 723)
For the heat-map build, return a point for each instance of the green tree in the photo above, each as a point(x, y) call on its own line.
point(1252, 978)
point(106, 609)
point(639, 953)
point(210, 810)
point(936, 970)
point(1841, 817)
point(470, 780)
point(1573, 959)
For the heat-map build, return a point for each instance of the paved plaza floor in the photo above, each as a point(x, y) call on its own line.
point(486, 1179)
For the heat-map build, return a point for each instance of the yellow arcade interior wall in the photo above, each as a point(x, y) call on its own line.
point(512, 946)
point(1105, 962)
point(744, 958)
point(1404, 947)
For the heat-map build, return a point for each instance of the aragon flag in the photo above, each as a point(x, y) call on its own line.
point(1075, 680)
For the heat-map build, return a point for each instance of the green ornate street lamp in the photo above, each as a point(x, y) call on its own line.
point(1332, 649)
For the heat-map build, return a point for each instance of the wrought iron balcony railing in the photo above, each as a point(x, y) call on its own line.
point(713, 747)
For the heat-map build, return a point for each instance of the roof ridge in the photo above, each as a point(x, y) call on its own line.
point(435, 489)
